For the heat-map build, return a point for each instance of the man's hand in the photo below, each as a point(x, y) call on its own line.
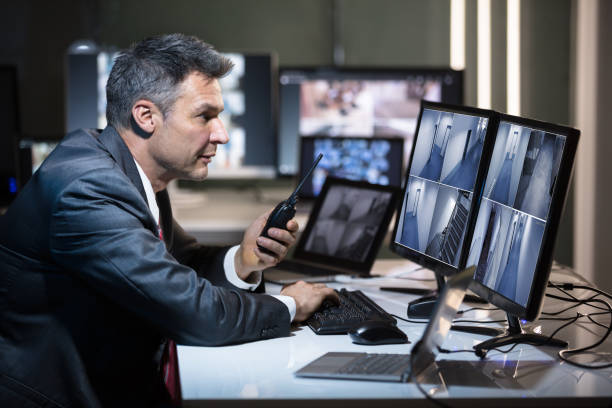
point(249, 258)
point(308, 298)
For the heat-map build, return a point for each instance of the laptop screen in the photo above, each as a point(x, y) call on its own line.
point(347, 224)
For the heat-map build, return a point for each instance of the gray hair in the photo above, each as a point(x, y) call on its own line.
point(152, 68)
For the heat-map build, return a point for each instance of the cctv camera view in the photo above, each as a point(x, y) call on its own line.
point(440, 188)
point(512, 217)
point(377, 161)
point(363, 107)
point(348, 222)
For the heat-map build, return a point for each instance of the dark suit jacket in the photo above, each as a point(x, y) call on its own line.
point(88, 292)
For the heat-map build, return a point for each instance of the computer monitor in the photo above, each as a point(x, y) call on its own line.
point(87, 69)
point(442, 190)
point(367, 102)
point(512, 245)
point(375, 160)
point(10, 180)
point(249, 96)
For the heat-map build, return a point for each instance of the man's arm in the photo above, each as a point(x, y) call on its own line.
point(98, 234)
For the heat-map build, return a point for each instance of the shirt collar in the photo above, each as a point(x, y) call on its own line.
point(148, 187)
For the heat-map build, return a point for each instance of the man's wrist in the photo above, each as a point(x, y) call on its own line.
point(232, 275)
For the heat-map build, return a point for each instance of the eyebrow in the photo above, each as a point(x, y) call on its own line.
point(207, 107)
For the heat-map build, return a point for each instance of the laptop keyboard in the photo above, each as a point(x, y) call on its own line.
point(373, 364)
point(354, 309)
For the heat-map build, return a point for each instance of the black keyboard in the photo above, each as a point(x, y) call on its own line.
point(354, 309)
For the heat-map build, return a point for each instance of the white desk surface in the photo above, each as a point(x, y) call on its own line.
point(262, 373)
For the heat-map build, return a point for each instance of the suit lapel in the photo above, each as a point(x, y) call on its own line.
point(122, 156)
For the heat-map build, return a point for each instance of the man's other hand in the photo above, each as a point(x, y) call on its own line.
point(250, 258)
point(308, 298)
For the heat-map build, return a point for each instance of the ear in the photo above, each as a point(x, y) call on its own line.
point(145, 115)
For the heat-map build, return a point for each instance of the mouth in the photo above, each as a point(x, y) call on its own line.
point(206, 157)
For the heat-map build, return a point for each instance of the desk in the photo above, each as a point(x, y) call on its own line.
point(261, 373)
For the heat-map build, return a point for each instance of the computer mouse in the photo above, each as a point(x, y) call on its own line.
point(375, 332)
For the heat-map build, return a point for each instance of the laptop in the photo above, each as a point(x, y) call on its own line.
point(398, 367)
point(345, 229)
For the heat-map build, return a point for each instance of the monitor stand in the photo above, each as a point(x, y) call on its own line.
point(423, 307)
point(515, 334)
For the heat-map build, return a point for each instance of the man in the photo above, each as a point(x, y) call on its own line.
point(95, 274)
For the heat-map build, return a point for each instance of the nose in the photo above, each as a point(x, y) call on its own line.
point(219, 134)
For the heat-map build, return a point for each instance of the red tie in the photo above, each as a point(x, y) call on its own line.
point(169, 364)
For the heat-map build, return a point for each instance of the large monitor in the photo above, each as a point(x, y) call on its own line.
point(367, 102)
point(512, 245)
point(375, 160)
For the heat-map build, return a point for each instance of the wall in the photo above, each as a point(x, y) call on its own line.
point(593, 104)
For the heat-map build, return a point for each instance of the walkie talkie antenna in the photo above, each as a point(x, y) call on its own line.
point(297, 189)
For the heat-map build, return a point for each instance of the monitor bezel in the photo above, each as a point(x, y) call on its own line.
point(376, 72)
point(346, 264)
point(436, 265)
point(304, 164)
point(542, 270)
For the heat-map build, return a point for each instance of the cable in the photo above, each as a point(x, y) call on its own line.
point(562, 354)
point(571, 286)
point(477, 308)
point(425, 321)
point(479, 321)
point(408, 320)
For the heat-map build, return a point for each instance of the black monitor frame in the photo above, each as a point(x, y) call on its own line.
point(453, 93)
point(543, 265)
point(439, 267)
point(360, 267)
point(306, 162)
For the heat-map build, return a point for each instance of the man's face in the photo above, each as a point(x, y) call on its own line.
point(188, 138)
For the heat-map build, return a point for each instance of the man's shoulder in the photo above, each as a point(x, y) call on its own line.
point(79, 154)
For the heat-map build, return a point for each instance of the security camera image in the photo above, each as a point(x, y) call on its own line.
point(377, 161)
point(505, 247)
point(363, 107)
point(524, 168)
point(512, 218)
point(449, 147)
point(348, 222)
point(439, 193)
point(434, 219)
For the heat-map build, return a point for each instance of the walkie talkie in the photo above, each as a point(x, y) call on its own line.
point(285, 210)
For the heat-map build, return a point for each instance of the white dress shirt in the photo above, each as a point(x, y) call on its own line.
point(228, 261)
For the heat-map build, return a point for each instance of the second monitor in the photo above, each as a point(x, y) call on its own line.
point(375, 160)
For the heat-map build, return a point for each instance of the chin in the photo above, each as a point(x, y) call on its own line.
point(199, 175)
